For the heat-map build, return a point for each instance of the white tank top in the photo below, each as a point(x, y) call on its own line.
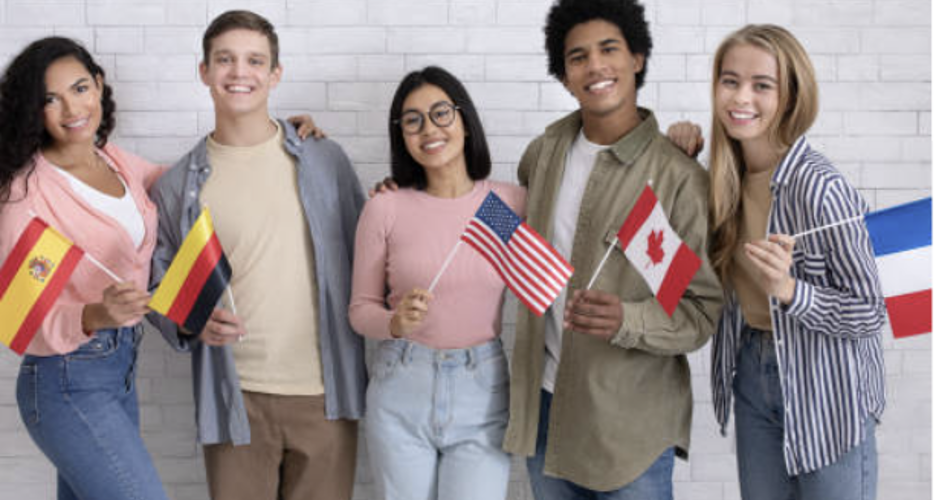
point(124, 209)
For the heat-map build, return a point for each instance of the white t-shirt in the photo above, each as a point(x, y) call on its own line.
point(124, 209)
point(580, 161)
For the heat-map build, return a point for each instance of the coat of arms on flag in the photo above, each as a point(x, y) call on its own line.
point(196, 278)
point(31, 279)
point(527, 263)
point(666, 263)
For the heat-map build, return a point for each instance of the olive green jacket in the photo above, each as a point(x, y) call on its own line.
point(617, 406)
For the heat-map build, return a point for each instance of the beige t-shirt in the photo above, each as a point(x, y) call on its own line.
point(254, 199)
point(745, 278)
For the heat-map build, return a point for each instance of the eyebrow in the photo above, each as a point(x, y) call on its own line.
point(728, 72)
point(604, 43)
point(227, 52)
point(78, 82)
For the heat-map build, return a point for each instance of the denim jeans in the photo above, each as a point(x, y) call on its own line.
point(759, 433)
point(81, 410)
point(656, 483)
point(435, 422)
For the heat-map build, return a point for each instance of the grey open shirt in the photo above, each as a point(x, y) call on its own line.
point(332, 198)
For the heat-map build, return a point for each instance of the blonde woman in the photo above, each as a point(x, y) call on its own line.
point(798, 349)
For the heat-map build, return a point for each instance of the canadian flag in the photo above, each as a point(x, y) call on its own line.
point(655, 250)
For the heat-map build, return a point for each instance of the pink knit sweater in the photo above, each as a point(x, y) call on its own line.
point(50, 196)
point(403, 238)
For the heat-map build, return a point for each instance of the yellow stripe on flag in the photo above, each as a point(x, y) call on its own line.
point(24, 290)
point(182, 264)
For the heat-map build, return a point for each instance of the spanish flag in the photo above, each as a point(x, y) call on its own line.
point(31, 279)
point(197, 277)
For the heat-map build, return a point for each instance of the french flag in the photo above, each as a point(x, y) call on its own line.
point(902, 237)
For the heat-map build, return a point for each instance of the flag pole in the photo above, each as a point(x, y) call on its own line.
point(90, 257)
point(828, 226)
point(601, 264)
point(448, 261)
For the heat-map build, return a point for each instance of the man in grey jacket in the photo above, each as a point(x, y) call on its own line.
point(280, 384)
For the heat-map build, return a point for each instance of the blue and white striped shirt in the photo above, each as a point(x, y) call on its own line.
point(828, 338)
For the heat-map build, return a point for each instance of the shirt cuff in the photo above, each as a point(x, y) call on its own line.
point(803, 299)
point(632, 326)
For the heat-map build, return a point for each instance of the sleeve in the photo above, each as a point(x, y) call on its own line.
point(353, 191)
point(528, 161)
point(645, 325)
point(852, 304)
point(368, 310)
point(60, 329)
point(168, 240)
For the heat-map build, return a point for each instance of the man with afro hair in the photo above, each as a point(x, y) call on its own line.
point(601, 401)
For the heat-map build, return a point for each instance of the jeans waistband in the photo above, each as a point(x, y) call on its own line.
point(412, 351)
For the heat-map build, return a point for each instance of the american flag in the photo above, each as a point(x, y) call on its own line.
point(527, 263)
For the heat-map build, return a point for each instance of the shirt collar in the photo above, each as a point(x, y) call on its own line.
point(787, 166)
point(628, 148)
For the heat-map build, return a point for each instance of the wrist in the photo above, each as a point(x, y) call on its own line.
point(788, 292)
point(91, 318)
point(394, 327)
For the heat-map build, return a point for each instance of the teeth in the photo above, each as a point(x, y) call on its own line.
point(433, 145)
point(600, 85)
point(77, 124)
point(739, 115)
point(238, 89)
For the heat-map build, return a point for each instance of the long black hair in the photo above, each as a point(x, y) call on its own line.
point(22, 99)
point(406, 172)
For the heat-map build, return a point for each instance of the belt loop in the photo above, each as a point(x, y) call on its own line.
point(407, 353)
point(472, 357)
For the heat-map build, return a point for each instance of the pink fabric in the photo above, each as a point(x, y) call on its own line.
point(50, 196)
point(402, 241)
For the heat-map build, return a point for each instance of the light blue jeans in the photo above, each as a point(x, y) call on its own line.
point(436, 420)
point(759, 433)
point(656, 483)
point(81, 410)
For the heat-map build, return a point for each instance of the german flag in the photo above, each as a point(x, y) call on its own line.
point(31, 279)
point(197, 277)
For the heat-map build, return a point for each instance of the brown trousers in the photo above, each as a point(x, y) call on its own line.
point(294, 453)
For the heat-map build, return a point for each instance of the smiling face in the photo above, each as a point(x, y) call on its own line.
point(72, 112)
point(601, 70)
point(747, 95)
point(238, 73)
point(434, 147)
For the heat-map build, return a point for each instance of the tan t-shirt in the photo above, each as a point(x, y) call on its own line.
point(745, 278)
point(254, 200)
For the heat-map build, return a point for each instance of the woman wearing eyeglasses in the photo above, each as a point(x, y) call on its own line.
point(438, 395)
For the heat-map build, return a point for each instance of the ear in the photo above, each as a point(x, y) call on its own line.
point(565, 83)
point(639, 60)
point(99, 81)
point(203, 72)
point(276, 76)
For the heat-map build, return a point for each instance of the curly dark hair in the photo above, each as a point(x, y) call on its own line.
point(23, 97)
point(627, 15)
point(406, 172)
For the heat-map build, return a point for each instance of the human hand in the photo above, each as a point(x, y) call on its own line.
point(122, 304)
point(686, 136)
point(383, 186)
point(410, 313)
point(773, 257)
point(222, 328)
point(305, 126)
point(593, 312)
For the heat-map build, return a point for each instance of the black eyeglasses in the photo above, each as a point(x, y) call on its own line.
point(442, 114)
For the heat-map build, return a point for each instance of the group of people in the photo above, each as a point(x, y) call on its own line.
point(598, 396)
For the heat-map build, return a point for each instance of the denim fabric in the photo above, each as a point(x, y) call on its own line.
point(435, 422)
point(81, 410)
point(656, 483)
point(759, 412)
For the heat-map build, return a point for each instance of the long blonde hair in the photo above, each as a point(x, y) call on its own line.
point(798, 104)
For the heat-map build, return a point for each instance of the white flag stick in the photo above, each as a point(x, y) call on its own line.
point(90, 257)
point(448, 260)
point(829, 226)
point(230, 295)
point(601, 264)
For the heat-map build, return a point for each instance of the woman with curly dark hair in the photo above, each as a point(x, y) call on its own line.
point(76, 389)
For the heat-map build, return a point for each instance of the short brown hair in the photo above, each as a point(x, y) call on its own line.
point(241, 20)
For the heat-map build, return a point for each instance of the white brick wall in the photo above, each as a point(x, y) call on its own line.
point(342, 61)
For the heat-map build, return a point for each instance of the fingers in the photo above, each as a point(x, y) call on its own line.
point(594, 312)
point(223, 327)
point(773, 257)
point(386, 185)
point(124, 304)
point(686, 136)
point(410, 312)
point(305, 126)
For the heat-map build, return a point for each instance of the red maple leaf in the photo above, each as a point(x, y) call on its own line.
point(655, 246)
